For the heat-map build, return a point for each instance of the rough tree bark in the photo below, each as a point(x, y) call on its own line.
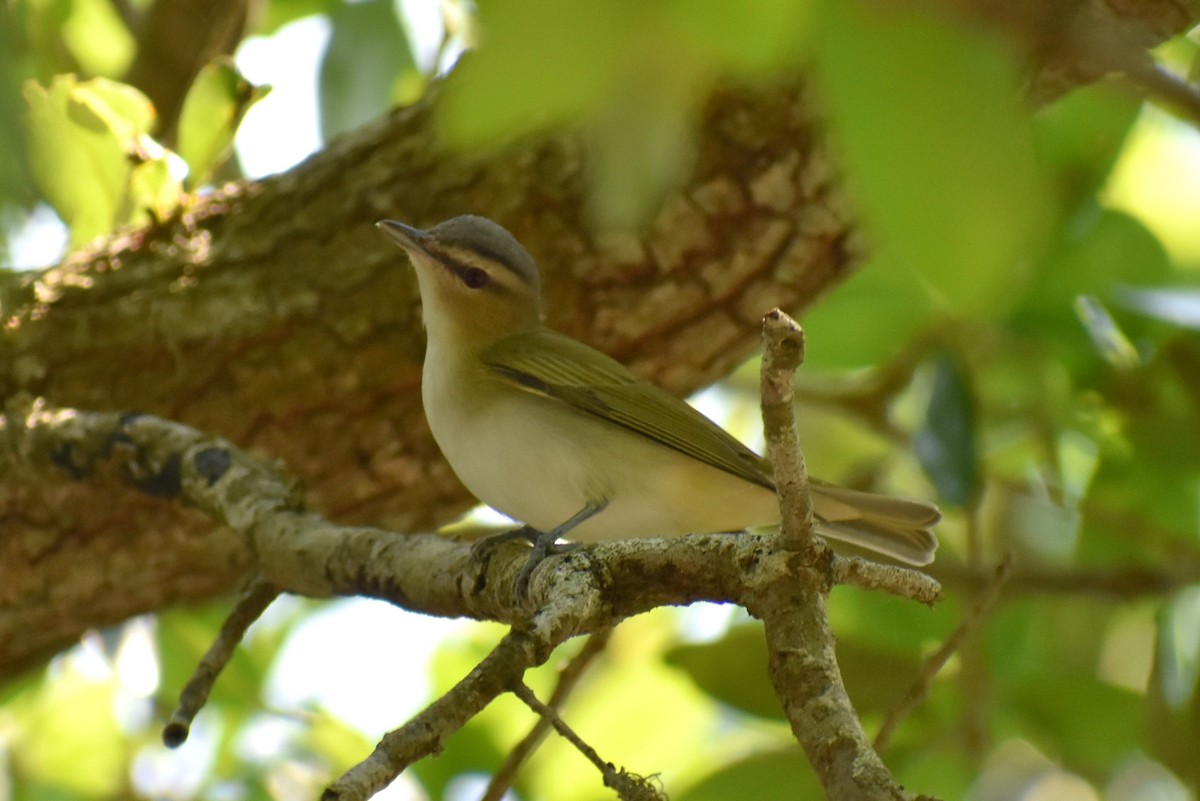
point(272, 314)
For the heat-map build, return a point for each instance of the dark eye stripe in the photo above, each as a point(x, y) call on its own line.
point(475, 278)
point(490, 254)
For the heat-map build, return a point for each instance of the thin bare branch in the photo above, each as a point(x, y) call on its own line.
point(629, 786)
point(934, 664)
point(783, 352)
point(568, 679)
point(1167, 88)
point(904, 582)
point(254, 600)
point(789, 594)
point(422, 736)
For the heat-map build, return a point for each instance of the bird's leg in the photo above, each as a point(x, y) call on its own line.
point(482, 549)
point(545, 543)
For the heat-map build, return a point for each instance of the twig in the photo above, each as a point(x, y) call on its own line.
point(933, 665)
point(255, 598)
point(424, 734)
point(1167, 87)
point(591, 589)
point(789, 595)
point(893, 579)
point(867, 399)
point(783, 352)
point(1117, 583)
point(629, 786)
point(568, 678)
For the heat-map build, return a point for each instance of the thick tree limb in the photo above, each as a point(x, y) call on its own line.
point(588, 590)
point(271, 314)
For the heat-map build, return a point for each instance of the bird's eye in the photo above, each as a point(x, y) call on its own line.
point(475, 278)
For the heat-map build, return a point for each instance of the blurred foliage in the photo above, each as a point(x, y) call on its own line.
point(1023, 342)
point(91, 156)
point(212, 110)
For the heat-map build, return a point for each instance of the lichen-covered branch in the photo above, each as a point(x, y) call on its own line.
point(783, 352)
point(254, 600)
point(587, 590)
point(272, 314)
point(789, 594)
point(568, 678)
point(424, 734)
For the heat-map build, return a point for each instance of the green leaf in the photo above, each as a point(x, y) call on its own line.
point(77, 158)
point(633, 90)
point(154, 187)
point(67, 734)
point(939, 150)
point(278, 13)
point(732, 669)
point(1080, 136)
point(368, 54)
point(876, 678)
point(97, 37)
point(91, 156)
point(1173, 725)
point(866, 320)
point(340, 746)
point(1090, 725)
point(945, 444)
point(517, 82)
point(759, 776)
point(211, 113)
point(124, 108)
point(884, 622)
point(746, 37)
point(1179, 649)
point(1097, 252)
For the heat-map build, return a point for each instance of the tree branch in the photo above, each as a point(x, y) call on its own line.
point(783, 352)
point(789, 595)
point(424, 734)
point(568, 678)
point(933, 665)
point(587, 590)
point(255, 599)
point(272, 315)
point(175, 39)
point(629, 786)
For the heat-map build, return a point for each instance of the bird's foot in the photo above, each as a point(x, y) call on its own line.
point(481, 550)
point(545, 545)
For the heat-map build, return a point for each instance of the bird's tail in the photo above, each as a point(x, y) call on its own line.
point(895, 527)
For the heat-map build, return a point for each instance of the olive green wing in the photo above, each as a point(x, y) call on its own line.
point(554, 366)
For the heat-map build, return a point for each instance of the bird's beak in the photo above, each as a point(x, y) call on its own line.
point(413, 240)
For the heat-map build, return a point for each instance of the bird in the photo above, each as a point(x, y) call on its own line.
point(572, 444)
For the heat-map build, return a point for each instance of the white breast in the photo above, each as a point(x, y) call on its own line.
point(540, 462)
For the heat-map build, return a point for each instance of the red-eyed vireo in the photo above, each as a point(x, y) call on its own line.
point(562, 438)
